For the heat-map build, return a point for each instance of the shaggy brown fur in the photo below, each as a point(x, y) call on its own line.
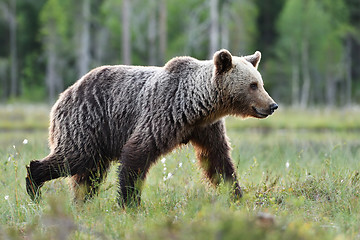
point(135, 114)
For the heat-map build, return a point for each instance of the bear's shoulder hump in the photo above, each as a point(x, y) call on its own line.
point(179, 64)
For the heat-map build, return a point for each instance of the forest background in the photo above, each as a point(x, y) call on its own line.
point(310, 48)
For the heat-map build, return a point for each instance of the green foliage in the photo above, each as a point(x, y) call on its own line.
point(317, 29)
point(243, 26)
point(53, 15)
point(279, 29)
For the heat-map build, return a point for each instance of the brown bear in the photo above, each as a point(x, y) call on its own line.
point(134, 114)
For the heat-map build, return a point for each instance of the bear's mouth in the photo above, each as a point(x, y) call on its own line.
point(259, 114)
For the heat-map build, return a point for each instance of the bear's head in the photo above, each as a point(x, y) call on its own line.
point(241, 86)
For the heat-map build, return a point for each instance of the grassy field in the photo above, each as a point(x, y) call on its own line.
point(299, 171)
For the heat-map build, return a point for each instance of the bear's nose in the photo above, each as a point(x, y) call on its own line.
point(273, 107)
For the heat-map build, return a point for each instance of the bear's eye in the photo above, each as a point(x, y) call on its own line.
point(253, 86)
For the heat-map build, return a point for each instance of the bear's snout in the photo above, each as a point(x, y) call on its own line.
point(264, 112)
point(273, 107)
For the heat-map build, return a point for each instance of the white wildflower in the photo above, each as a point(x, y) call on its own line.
point(287, 164)
point(163, 160)
point(180, 165)
point(14, 147)
point(6, 197)
point(167, 177)
point(25, 141)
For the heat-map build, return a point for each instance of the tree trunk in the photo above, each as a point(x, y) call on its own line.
point(126, 36)
point(348, 74)
point(330, 90)
point(101, 38)
point(162, 31)
point(295, 79)
point(152, 61)
point(84, 53)
point(51, 74)
point(54, 81)
point(4, 65)
point(214, 27)
point(305, 74)
point(225, 35)
point(14, 87)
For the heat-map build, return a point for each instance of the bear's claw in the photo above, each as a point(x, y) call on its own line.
point(31, 187)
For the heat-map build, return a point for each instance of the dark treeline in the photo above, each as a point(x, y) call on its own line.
point(311, 48)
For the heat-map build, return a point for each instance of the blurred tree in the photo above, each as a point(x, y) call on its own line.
point(310, 37)
point(3, 76)
point(214, 27)
point(100, 33)
point(316, 42)
point(9, 10)
point(84, 57)
point(353, 49)
point(241, 21)
point(31, 64)
point(111, 24)
point(332, 54)
point(231, 32)
point(126, 37)
point(147, 30)
point(4, 56)
point(162, 31)
point(268, 13)
point(55, 34)
point(152, 32)
point(300, 13)
point(225, 20)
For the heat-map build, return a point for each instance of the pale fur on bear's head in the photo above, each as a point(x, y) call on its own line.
point(242, 84)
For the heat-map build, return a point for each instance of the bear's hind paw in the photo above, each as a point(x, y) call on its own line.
point(31, 187)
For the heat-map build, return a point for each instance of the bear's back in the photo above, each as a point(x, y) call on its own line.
point(100, 109)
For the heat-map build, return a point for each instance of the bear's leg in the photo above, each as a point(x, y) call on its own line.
point(130, 181)
point(86, 185)
point(213, 151)
point(51, 167)
point(38, 172)
point(137, 157)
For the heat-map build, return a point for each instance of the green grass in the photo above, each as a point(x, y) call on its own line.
point(15, 117)
point(300, 168)
point(313, 119)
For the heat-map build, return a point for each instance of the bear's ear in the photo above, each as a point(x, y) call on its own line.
point(254, 59)
point(222, 61)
